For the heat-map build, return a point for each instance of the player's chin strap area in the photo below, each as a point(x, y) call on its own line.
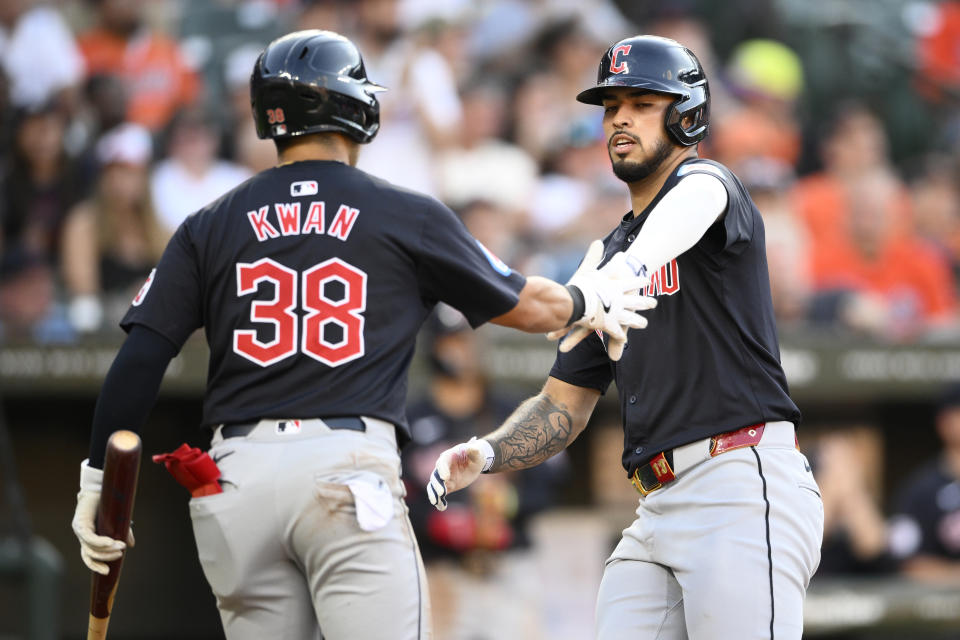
point(666, 466)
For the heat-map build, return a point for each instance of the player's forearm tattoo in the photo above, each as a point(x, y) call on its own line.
point(538, 429)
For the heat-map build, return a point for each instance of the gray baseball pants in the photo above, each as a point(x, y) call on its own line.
point(311, 534)
point(724, 552)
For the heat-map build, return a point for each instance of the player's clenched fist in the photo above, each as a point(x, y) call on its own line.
point(458, 467)
point(611, 299)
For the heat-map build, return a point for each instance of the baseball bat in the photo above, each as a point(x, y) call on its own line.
point(120, 470)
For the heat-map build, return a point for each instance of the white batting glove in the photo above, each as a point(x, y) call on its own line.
point(458, 467)
point(95, 550)
point(627, 268)
point(612, 298)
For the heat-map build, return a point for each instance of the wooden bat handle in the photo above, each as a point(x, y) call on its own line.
point(120, 470)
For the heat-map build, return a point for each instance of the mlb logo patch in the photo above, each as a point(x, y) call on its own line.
point(304, 188)
point(288, 427)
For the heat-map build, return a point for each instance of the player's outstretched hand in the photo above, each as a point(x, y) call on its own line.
point(95, 550)
point(456, 468)
point(612, 298)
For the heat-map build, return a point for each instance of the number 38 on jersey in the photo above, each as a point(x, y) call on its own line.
point(333, 294)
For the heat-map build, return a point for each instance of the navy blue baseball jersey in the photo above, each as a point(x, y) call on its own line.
point(709, 361)
point(311, 280)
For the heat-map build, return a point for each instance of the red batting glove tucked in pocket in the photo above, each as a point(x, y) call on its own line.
point(192, 468)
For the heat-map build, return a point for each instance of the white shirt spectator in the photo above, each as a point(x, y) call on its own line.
point(422, 95)
point(177, 193)
point(495, 170)
point(39, 56)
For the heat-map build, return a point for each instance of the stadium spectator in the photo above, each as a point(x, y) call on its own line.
point(27, 295)
point(103, 108)
point(482, 165)
point(562, 57)
point(848, 464)
point(769, 181)
point(925, 527)
point(39, 186)
point(209, 31)
point(38, 54)
point(420, 113)
point(854, 144)
point(241, 144)
point(112, 240)
point(938, 53)
point(935, 200)
point(766, 77)
point(158, 79)
point(191, 176)
point(855, 273)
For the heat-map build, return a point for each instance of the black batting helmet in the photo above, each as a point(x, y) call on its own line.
point(313, 81)
point(659, 65)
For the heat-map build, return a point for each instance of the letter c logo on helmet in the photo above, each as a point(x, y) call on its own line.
point(658, 65)
point(618, 65)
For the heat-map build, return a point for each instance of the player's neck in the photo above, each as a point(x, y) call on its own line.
point(334, 148)
point(642, 192)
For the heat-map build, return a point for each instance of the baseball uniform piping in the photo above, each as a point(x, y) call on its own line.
point(766, 522)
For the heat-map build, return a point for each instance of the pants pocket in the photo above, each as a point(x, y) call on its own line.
point(363, 496)
point(213, 543)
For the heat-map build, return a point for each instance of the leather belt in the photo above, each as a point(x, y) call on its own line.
point(239, 430)
point(660, 470)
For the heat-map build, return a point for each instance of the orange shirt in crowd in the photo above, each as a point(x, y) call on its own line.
point(939, 51)
point(821, 203)
point(906, 269)
point(157, 77)
point(750, 132)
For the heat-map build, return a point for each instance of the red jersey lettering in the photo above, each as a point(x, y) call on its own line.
point(288, 213)
point(314, 221)
point(670, 278)
point(261, 227)
point(343, 222)
point(665, 280)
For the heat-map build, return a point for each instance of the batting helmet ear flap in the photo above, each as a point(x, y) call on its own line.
point(695, 105)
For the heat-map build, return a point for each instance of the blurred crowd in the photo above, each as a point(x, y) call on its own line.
point(121, 117)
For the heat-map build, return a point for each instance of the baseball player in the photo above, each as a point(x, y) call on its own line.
point(311, 280)
point(729, 520)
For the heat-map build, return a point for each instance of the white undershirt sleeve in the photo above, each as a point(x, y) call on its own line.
point(678, 221)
